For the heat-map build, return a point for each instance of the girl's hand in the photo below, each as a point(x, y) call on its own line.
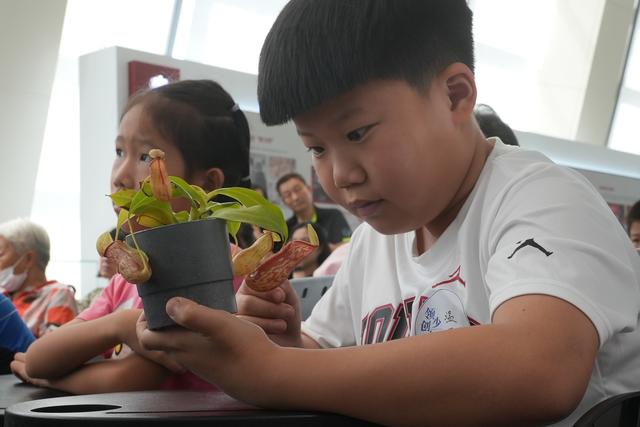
point(217, 346)
point(276, 311)
point(19, 370)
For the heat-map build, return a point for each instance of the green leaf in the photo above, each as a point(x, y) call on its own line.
point(123, 198)
point(182, 216)
point(211, 207)
point(193, 193)
point(233, 227)
point(140, 199)
point(267, 216)
point(123, 216)
point(157, 209)
point(245, 196)
point(145, 187)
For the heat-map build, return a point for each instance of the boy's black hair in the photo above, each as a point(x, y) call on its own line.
point(288, 176)
point(319, 49)
point(492, 125)
point(634, 215)
point(204, 123)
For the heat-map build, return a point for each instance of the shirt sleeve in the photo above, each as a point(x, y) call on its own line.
point(332, 322)
point(104, 303)
point(14, 334)
point(559, 238)
point(61, 309)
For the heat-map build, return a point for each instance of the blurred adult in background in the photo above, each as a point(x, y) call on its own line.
point(15, 336)
point(297, 195)
point(633, 224)
point(311, 262)
point(24, 255)
point(492, 125)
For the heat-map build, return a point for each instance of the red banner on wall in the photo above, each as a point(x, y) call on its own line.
point(143, 75)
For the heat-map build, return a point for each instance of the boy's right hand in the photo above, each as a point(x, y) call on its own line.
point(276, 311)
point(126, 320)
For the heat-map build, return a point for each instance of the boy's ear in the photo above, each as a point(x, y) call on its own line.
point(214, 179)
point(461, 87)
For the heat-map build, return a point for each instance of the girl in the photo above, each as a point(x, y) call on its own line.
point(206, 140)
point(308, 265)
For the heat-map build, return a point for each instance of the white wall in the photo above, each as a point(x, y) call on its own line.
point(614, 173)
point(30, 33)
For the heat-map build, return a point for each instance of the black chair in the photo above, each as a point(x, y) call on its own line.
point(309, 290)
point(622, 410)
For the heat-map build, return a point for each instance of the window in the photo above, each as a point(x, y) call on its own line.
point(533, 59)
point(88, 26)
point(225, 33)
point(624, 129)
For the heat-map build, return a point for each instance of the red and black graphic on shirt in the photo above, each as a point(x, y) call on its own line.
point(389, 322)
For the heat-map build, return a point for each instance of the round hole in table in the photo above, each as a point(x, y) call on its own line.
point(76, 408)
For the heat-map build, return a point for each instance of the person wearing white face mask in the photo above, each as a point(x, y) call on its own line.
point(24, 254)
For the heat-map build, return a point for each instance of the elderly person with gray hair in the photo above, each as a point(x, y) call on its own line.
point(24, 254)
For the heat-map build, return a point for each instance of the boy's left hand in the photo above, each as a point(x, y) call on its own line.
point(217, 346)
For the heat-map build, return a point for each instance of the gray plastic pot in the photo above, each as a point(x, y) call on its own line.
point(191, 260)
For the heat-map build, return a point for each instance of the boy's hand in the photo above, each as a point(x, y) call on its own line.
point(19, 370)
point(217, 346)
point(126, 326)
point(276, 311)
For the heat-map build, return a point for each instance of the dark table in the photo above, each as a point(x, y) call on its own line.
point(153, 408)
point(12, 391)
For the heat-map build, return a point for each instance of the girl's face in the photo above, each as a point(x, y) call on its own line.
point(136, 136)
point(302, 234)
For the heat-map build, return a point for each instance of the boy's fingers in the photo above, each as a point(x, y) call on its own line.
point(252, 306)
point(270, 326)
point(196, 317)
point(276, 295)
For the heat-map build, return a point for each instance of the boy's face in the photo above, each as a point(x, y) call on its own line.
point(393, 156)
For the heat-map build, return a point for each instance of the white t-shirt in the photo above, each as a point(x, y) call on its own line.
point(528, 227)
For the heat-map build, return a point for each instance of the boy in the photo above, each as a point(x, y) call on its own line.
point(494, 287)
